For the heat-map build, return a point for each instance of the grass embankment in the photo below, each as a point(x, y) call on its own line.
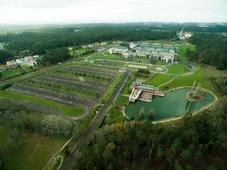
point(182, 49)
point(177, 69)
point(159, 79)
point(72, 111)
point(115, 115)
point(32, 151)
point(4, 132)
point(110, 90)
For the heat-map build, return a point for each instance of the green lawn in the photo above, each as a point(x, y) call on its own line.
point(116, 115)
point(177, 69)
point(182, 49)
point(162, 63)
point(32, 151)
point(12, 72)
point(189, 80)
point(66, 109)
point(122, 100)
point(79, 51)
point(159, 79)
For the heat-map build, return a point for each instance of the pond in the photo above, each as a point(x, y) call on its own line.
point(173, 104)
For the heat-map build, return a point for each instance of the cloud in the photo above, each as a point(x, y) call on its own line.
point(41, 3)
point(77, 11)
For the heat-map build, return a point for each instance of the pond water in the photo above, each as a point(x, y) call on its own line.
point(171, 105)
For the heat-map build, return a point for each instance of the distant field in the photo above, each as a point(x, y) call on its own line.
point(182, 49)
point(32, 151)
point(137, 66)
point(106, 55)
point(177, 69)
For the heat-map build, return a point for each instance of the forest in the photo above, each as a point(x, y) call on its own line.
point(211, 49)
point(41, 41)
point(193, 142)
point(22, 119)
point(5, 56)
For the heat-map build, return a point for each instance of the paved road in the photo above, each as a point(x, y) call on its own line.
point(93, 126)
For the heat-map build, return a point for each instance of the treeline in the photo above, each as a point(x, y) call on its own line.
point(39, 42)
point(5, 56)
point(211, 49)
point(194, 142)
point(22, 119)
point(53, 56)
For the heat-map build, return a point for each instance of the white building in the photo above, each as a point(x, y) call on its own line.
point(119, 50)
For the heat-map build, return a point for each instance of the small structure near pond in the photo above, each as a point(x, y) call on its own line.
point(197, 93)
point(143, 92)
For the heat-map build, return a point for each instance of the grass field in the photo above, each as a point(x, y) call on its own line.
point(182, 49)
point(106, 55)
point(137, 66)
point(13, 72)
point(159, 79)
point(66, 109)
point(177, 69)
point(116, 115)
point(189, 80)
point(78, 52)
point(122, 100)
point(32, 151)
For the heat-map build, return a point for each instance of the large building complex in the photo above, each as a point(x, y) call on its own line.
point(153, 51)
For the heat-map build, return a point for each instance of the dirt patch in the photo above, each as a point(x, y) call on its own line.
point(81, 79)
point(211, 71)
point(159, 68)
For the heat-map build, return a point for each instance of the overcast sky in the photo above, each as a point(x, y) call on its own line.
point(117, 11)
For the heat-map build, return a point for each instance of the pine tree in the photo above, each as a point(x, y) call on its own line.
point(141, 114)
point(151, 114)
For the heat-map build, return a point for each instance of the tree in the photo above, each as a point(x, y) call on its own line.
point(176, 146)
point(5, 56)
point(1, 75)
point(151, 113)
point(141, 113)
